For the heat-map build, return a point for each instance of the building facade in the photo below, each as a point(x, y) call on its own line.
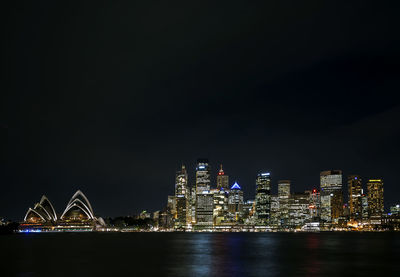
point(202, 176)
point(354, 184)
point(235, 202)
point(283, 198)
point(375, 197)
point(263, 198)
point(222, 180)
point(298, 210)
point(331, 195)
point(181, 198)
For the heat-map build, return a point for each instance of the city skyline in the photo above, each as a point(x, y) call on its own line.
point(183, 184)
point(248, 189)
point(204, 207)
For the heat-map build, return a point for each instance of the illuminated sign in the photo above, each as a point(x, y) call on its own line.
point(236, 186)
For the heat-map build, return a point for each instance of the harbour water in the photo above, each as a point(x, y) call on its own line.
point(200, 254)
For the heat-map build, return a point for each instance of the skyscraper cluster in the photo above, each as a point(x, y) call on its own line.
point(201, 206)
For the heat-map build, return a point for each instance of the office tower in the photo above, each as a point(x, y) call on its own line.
point(263, 198)
point(331, 195)
point(283, 198)
point(181, 197)
point(235, 201)
point(299, 209)
point(202, 176)
point(171, 205)
point(375, 197)
point(220, 206)
point(355, 187)
point(275, 214)
point(222, 180)
point(248, 209)
point(204, 209)
point(364, 206)
point(204, 198)
point(192, 206)
point(315, 204)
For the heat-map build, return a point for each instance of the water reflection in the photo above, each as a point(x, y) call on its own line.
point(312, 262)
point(202, 254)
point(232, 254)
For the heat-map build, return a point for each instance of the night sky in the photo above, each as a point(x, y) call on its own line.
point(111, 98)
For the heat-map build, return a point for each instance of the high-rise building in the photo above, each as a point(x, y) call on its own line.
point(220, 206)
point(263, 198)
point(299, 209)
point(204, 209)
point(222, 180)
point(235, 201)
point(315, 205)
point(375, 197)
point(355, 192)
point(283, 198)
point(275, 213)
point(204, 199)
point(171, 205)
point(202, 176)
point(181, 197)
point(192, 206)
point(248, 209)
point(331, 195)
point(364, 206)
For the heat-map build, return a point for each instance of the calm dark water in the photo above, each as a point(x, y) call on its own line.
point(201, 254)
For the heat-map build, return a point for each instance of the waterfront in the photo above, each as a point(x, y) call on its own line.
point(200, 254)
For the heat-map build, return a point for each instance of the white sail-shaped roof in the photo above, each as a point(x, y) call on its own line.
point(44, 209)
point(46, 204)
point(80, 201)
point(30, 210)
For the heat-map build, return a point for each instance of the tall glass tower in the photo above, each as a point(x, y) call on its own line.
point(202, 176)
point(375, 197)
point(331, 195)
point(355, 192)
point(181, 197)
point(222, 180)
point(283, 198)
point(263, 198)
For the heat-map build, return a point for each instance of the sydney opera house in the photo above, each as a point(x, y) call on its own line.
point(77, 216)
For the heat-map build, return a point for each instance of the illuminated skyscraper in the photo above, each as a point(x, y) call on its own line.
point(171, 205)
point(202, 176)
point(204, 199)
point(235, 201)
point(204, 209)
point(315, 204)
point(283, 198)
point(263, 198)
point(181, 197)
point(364, 207)
point(222, 180)
point(355, 192)
point(299, 209)
point(192, 206)
point(275, 213)
point(220, 206)
point(375, 197)
point(331, 195)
